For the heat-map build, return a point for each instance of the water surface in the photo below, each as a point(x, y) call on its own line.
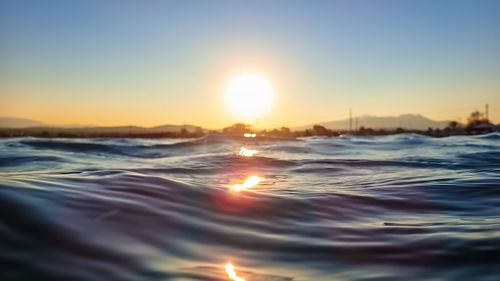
point(348, 208)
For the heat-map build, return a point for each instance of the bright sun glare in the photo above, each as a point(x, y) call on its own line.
point(249, 95)
point(249, 183)
point(248, 152)
point(231, 273)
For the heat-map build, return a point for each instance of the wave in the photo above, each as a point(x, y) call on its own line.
point(349, 208)
point(490, 136)
point(100, 147)
point(22, 160)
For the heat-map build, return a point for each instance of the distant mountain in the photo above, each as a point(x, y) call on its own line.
point(137, 129)
point(175, 128)
point(12, 122)
point(72, 126)
point(406, 121)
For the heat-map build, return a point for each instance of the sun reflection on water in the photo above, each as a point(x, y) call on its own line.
point(249, 183)
point(232, 274)
point(248, 152)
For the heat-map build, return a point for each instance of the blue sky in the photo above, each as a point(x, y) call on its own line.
point(155, 62)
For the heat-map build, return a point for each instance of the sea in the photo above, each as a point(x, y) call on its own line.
point(398, 207)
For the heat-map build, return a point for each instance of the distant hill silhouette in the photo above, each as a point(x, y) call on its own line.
point(137, 129)
point(175, 128)
point(13, 122)
point(407, 121)
point(45, 131)
point(142, 130)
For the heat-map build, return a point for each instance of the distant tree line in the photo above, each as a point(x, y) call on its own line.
point(44, 132)
point(477, 123)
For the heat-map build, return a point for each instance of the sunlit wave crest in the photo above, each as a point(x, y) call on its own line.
point(232, 274)
point(249, 183)
point(248, 152)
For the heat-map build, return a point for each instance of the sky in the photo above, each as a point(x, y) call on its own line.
point(168, 62)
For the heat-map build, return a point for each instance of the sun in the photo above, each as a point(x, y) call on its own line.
point(249, 95)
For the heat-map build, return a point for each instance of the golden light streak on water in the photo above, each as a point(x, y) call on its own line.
point(248, 135)
point(232, 274)
point(248, 152)
point(249, 183)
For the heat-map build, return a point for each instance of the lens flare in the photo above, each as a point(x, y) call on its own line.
point(232, 274)
point(249, 183)
point(248, 152)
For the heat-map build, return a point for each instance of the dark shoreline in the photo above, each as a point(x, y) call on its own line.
point(281, 134)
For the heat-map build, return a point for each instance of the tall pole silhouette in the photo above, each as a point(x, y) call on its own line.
point(350, 119)
point(486, 111)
